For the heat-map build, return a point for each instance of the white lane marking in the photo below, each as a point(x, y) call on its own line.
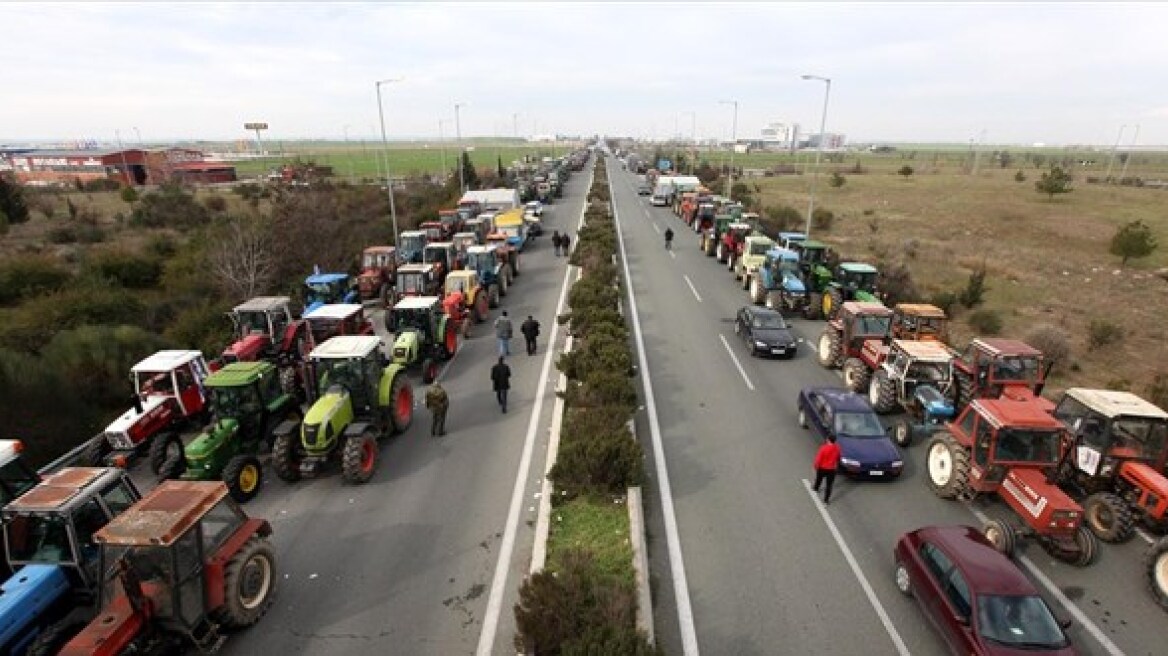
point(692, 288)
point(736, 362)
point(1144, 534)
point(685, 619)
point(656, 228)
point(507, 549)
point(901, 648)
point(671, 254)
point(1081, 617)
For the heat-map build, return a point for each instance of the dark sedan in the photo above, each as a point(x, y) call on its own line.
point(865, 448)
point(974, 596)
point(764, 332)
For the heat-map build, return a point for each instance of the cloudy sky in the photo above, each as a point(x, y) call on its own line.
point(1057, 73)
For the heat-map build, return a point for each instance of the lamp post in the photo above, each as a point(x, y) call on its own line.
point(458, 138)
point(352, 166)
point(819, 151)
point(693, 131)
point(733, 143)
point(1127, 154)
point(385, 155)
point(442, 142)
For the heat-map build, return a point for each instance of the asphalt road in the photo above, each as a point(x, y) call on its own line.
point(765, 572)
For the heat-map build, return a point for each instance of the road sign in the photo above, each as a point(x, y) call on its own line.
point(255, 126)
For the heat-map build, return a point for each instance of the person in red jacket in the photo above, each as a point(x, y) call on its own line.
point(826, 462)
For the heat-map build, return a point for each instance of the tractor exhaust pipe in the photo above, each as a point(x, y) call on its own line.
point(137, 401)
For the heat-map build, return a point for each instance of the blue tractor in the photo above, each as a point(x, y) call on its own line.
point(48, 534)
point(778, 283)
point(329, 288)
point(926, 413)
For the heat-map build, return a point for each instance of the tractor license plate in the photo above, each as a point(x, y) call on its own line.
point(876, 472)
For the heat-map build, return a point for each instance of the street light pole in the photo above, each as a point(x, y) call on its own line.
point(442, 142)
point(693, 131)
point(819, 151)
point(385, 154)
point(352, 166)
point(733, 144)
point(461, 152)
point(1127, 155)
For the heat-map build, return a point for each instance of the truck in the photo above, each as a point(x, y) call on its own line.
point(499, 199)
point(513, 227)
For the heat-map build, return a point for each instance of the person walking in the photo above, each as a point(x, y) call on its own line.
point(826, 462)
point(501, 381)
point(438, 403)
point(669, 239)
point(565, 244)
point(556, 241)
point(530, 330)
point(503, 333)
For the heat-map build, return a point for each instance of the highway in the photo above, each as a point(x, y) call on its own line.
point(768, 569)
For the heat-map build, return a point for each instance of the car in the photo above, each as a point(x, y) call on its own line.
point(764, 332)
point(865, 447)
point(644, 190)
point(533, 208)
point(974, 596)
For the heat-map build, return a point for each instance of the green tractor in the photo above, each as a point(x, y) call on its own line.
point(423, 334)
point(360, 400)
point(247, 403)
point(854, 281)
point(815, 272)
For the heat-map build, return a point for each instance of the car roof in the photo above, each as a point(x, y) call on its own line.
point(841, 399)
point(167, 360)
point(923, 310)
point(346, 346)
point(325, 277)
point(415, 267)
point(416, 303)
point(334, 311)
point(756, 310)
point(985, 569)
point(236, 374)
point(263, 304)
point(1113, 403)
point(857, 267)
point(164, 515)
point(925, 351)
point(1004, 346)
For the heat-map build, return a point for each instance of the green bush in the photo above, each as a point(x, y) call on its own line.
point(600, 388)
point(40, 408)
point(96, 360)
point(975, 288)
point(201, 326)
point(602, 463)
point(89, 234)
point(127, 269)
point(603, 641)
point(777, 219)
point(822, 219)
point(1102, 332)
point(171, 207)
point(27, 276)
point(32, 325)
point(985, 322)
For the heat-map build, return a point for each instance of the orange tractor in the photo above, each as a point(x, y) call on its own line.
point(378, 265)
point(992, 367)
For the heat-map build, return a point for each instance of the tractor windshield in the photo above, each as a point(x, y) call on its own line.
point(873, 325)
point(434, 255)
point(859, 281)
point(412, 319)
point(38, 539)
point(324, 292)
point(252, 322)
point(760, 248)
point(1031, 446)
point(480, 261)
point(337, 371)
point(409, 283)
point(1016, 368)
point(455, 284)
point(813, 255)
point(154, 382)
point(412, 243)
point(1143, 436)
point(376, 260)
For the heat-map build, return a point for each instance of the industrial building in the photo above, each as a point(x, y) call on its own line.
point(131, 167)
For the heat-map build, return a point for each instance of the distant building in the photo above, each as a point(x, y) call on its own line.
point(132, 167)
point(779, 136)
point(831, 141)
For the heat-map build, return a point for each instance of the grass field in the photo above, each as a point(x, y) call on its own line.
point(596, 525)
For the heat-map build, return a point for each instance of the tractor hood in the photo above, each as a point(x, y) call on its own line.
point(312, 306)
point(405, 347)
point(333, 408)
point(207, 443)
point(792, 284)
point(1144, 476)
point(27, 596)
point(933, 402)
point(150, 405)
point(247, 349)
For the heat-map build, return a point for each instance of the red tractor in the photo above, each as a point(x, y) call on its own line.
point(264, 330)
point(375, 282)
point(443, 256)
point(415, 280)
point(184, 564)
point(860, 332)
point(1012, 447)
point(435, 231)
point(333, 319)
point(168, 395)
point(452, 219)
point(732, 243)
point(991, 367)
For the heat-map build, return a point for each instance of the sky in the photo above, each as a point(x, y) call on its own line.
point(998, 73)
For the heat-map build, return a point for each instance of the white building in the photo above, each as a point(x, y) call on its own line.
point(779, 135)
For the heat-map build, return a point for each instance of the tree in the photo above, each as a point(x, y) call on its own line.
point(1019, 176)
point(1054, 181)
point(469, 175)
point(1133, 240)
point(242, 260)
point(502, 172)
point(12, 203)
point(1005, 159)
point(906, 171)
point(837, 180)
point(129, 195)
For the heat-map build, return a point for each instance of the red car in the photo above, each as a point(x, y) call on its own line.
point(977, 598)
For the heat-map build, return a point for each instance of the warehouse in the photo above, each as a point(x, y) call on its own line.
point(133, 166)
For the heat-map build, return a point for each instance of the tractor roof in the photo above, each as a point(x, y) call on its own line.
point(167, 360)
point(56, 490)
point(440, 244)
point(326, 278)
point(417, 303)
point(238, 374)
point(413, 233)
point(459, 274)
point(263, 304)
point(334, 311)
point(415, 268)
point(380, 249)
point(1112, 403)
point(1010, 412)
point(812, 245)
point(792, 236)
point(857, 267)
point(760, 239)
point(466, 235)
point(923, 310)
point(346, 346)
point(164, 515)
point(868, 308)
point(782, 254)
point(489, 248)
point(925, 351)
point(740, 226)
point(1003, 346)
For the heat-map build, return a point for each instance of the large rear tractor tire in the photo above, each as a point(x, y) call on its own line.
point(286, 457)
point(493, 295)
point(482, 308)
point(830, 345)
point(515, 266)
point(962, 390)
point(814, 305)
point(429, 370)
point(401, 403)
point(449, 340)
point(249, 580)
point(1156, 571)
point(882, 392)
point(947, 465)
point(95, 454)
point(758, 293)
point(244, 478)
point(833, 301)
point(857, 375)
point(162, 447)
point(359, 458)
point(1109, 517)
point(1002, 536)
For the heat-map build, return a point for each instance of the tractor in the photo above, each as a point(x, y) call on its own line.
point(495, 276)
point(180, 567)
point(474, 293)
point(462, 241)
point(415, 280)
point(991, 366)
point(709, 239)
point(480, 227)
point(48, 535)
point(264, 330)
point(321, 288)
point(467, 210)
point(791, 240)
point(375, 282)
point(360, 400)
point(508, 255)
point(777, 283)
point(1012, 447)
point(907, 366)
point(815, 272)
point(441, 255)
point(754, 249)
point(1120, 445)
point(168, 395)
point(16, 477)
point(410, 246)
point(860, 327)
point(335, 319)
point(729, 246)
point(512, 227)
point(422, 334)
point(704, 217)
point(452, 220)
point(926, 411)
point(920, 322)
point(436, 231)
point(854, 281)
point(248, 403)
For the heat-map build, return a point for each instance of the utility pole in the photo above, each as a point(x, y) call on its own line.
point(461, 152)
point(818, 151)
point(733, 147)
point(442, 143)
point(1111, 160)
point(385, 150)
point(1128, 155)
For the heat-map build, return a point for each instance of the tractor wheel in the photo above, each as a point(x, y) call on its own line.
point(758, 293)
point(383, 295)
point(857, 375)
point(94, 454)
point(902, 432)
point(482, 308)
point(449, 340)
point(464, 326)
point(503, 284)
point(720, 252)
point(359, 458)
point(515, 266)
point(947, 463)
point(248, 582)
point(244, 478)
point(162, 447)
point(1002, 536)
point(962, 390)
point(429, 370)
point(173, 468)
point(54, 637)
point(1109, 517)
point(882, 392)
point(286, 458)
point(493, 296)
point(903, 582)
point(745, 281)
point(709, 247)
point(730, 264)
point(1156, 571)
point(1086, 548)
point(829, 348)
point(401, 403)
point(831, 308)
point(814, 304)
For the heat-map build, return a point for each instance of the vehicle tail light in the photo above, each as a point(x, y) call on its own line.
point(18, 446)
point(121, 461)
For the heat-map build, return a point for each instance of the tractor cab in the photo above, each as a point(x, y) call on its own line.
point(857, 279)
point(417, 314)
point(907, 367)
point(260, 325)
point(469, 209)
point(480, 227)
point(335, 319)
point(423, 334)
point(322, 288)
point(790, 239)
point(484, 260)
point(440, 254)
point(991, 367)
point(920, 322)
point(347, 366)
point(415, 280)
point(462, 241)
point(412, 243)
point(435, 231)
point(378, 264)
point(705, 216)
point(468, 289)
point(1112, 428)
point(865, 322)
point(16, 477)
point(811, 253)
point(451, 221)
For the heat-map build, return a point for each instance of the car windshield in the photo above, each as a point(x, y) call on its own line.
point(767, 322)
point(858, 424)
point(38, 539)
point(1019, 621)
point(1027, 445)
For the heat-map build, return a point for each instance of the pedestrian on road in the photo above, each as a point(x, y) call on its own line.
point(565, 244)
point(501, 381)
point(530, 330)
point(503, 333)
point(826, 462)
point(438, 402)
point(556, 241)
point(669, 239)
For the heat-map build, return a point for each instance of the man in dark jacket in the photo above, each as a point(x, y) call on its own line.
point(438, 402)
point(530, 330)
point(501, 381)
point(566, 244)
point(503, 333)
point(556, 241)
